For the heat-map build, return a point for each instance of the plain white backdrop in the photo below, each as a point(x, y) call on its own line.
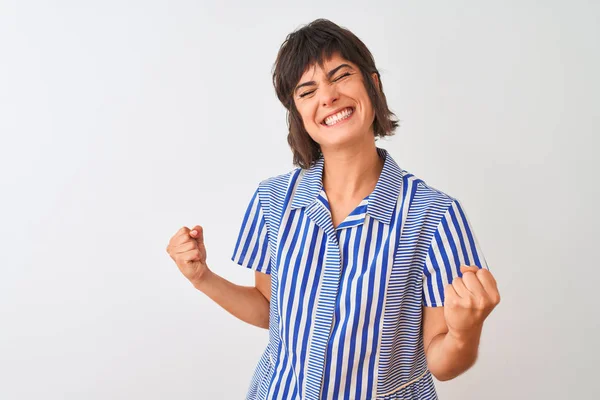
point(121, 122)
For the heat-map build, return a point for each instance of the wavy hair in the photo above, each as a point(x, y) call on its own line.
point(314, 43)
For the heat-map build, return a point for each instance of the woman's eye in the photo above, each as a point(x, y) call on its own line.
point(343, 76)
point(335, 80)
point(306, 93)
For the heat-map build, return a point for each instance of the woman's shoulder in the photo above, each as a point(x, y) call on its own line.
point(279, 183)
point(428, 191)
point(273, 190)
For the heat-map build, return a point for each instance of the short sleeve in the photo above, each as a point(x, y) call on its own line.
point(453, 244)
point(252, 246)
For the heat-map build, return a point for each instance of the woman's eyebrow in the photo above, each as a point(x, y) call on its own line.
point(329, 75)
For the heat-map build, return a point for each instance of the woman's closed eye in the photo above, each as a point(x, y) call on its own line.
point(342, 76)
point(335, 80)
point(307, 93)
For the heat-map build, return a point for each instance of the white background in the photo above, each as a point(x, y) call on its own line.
point(121, 122)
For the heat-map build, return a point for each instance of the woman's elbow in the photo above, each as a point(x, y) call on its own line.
point(450, 373)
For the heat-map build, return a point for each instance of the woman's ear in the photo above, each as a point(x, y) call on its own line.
point(375, 80)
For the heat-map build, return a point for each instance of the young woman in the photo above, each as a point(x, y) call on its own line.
point(369, 280)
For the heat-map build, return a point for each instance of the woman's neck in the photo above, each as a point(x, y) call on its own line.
point(352, 172)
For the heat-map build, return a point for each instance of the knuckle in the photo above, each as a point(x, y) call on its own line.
point(497, 299)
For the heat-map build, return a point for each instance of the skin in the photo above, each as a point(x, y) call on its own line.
point(187, 249)
point(451, 333)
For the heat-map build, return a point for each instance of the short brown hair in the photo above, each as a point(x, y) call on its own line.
point(315, 43)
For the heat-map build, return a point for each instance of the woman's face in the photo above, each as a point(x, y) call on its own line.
point(334, 104)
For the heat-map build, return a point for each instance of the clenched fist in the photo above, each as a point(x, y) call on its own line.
point(470, 299)
point(187, 249)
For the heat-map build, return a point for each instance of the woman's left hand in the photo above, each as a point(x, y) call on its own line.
point(469, 300)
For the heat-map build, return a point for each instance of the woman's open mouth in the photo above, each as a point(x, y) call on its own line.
point(338, 118)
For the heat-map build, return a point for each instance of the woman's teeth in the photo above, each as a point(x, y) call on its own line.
point(333, 119)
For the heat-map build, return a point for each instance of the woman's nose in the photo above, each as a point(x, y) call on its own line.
point(329, 95)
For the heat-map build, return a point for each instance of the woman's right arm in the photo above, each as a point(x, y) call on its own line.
point(247, 303)
point(244, 302)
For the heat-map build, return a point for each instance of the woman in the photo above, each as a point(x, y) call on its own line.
point(369, 280)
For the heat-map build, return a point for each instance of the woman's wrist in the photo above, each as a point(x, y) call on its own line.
point(202, 279)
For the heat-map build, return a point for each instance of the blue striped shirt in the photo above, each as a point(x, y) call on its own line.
point(346, 302)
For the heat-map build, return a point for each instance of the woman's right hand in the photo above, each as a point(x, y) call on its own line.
point(186, 248)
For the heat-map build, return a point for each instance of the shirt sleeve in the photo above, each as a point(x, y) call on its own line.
point(252, 246)
point(453, 244)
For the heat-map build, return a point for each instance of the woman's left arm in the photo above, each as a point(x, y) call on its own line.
point(451, 333)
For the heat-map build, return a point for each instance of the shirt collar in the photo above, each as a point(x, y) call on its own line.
point(381, 201)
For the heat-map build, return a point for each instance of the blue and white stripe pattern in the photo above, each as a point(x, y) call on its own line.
point(346, 302)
